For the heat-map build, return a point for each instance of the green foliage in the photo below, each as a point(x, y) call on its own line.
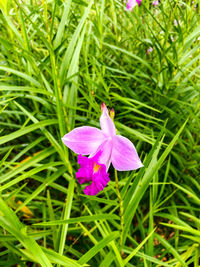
point(59, 60)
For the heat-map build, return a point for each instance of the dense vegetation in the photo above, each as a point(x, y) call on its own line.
point(59, 60)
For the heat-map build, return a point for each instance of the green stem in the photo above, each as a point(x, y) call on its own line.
point(121, 209)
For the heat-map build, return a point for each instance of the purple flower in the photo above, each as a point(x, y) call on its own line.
point(132, 3)
point(175, 22)
point(103, 147)
point(92, 170)
point(155, 3)
point(149, 50)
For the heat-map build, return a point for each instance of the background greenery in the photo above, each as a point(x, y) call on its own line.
point(59, 60)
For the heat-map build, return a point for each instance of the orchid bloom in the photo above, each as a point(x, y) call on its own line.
point(132, 3)
point(149, 50)
point(103, 147)
point(175, 22)
point(155, 3)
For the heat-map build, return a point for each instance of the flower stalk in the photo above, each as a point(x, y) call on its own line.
point(121, 208)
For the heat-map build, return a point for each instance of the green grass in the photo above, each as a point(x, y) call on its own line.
point(59, 60)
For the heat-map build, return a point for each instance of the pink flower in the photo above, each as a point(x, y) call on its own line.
point(103, 147)
point(155, 3)
point(175, 22)
point(132, 3)
point(92, 170)
point(149, 50)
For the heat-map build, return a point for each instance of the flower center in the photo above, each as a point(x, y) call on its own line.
point(96, 168)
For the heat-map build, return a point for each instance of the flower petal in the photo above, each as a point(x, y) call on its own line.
point(99, 181)
point(92, 171)
point(84, 140)
point(107, 124)
point(131, 4)
point(124, 155)
point(139, 2)
point(103, 153)
point(85, 173)
point(91, 190)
